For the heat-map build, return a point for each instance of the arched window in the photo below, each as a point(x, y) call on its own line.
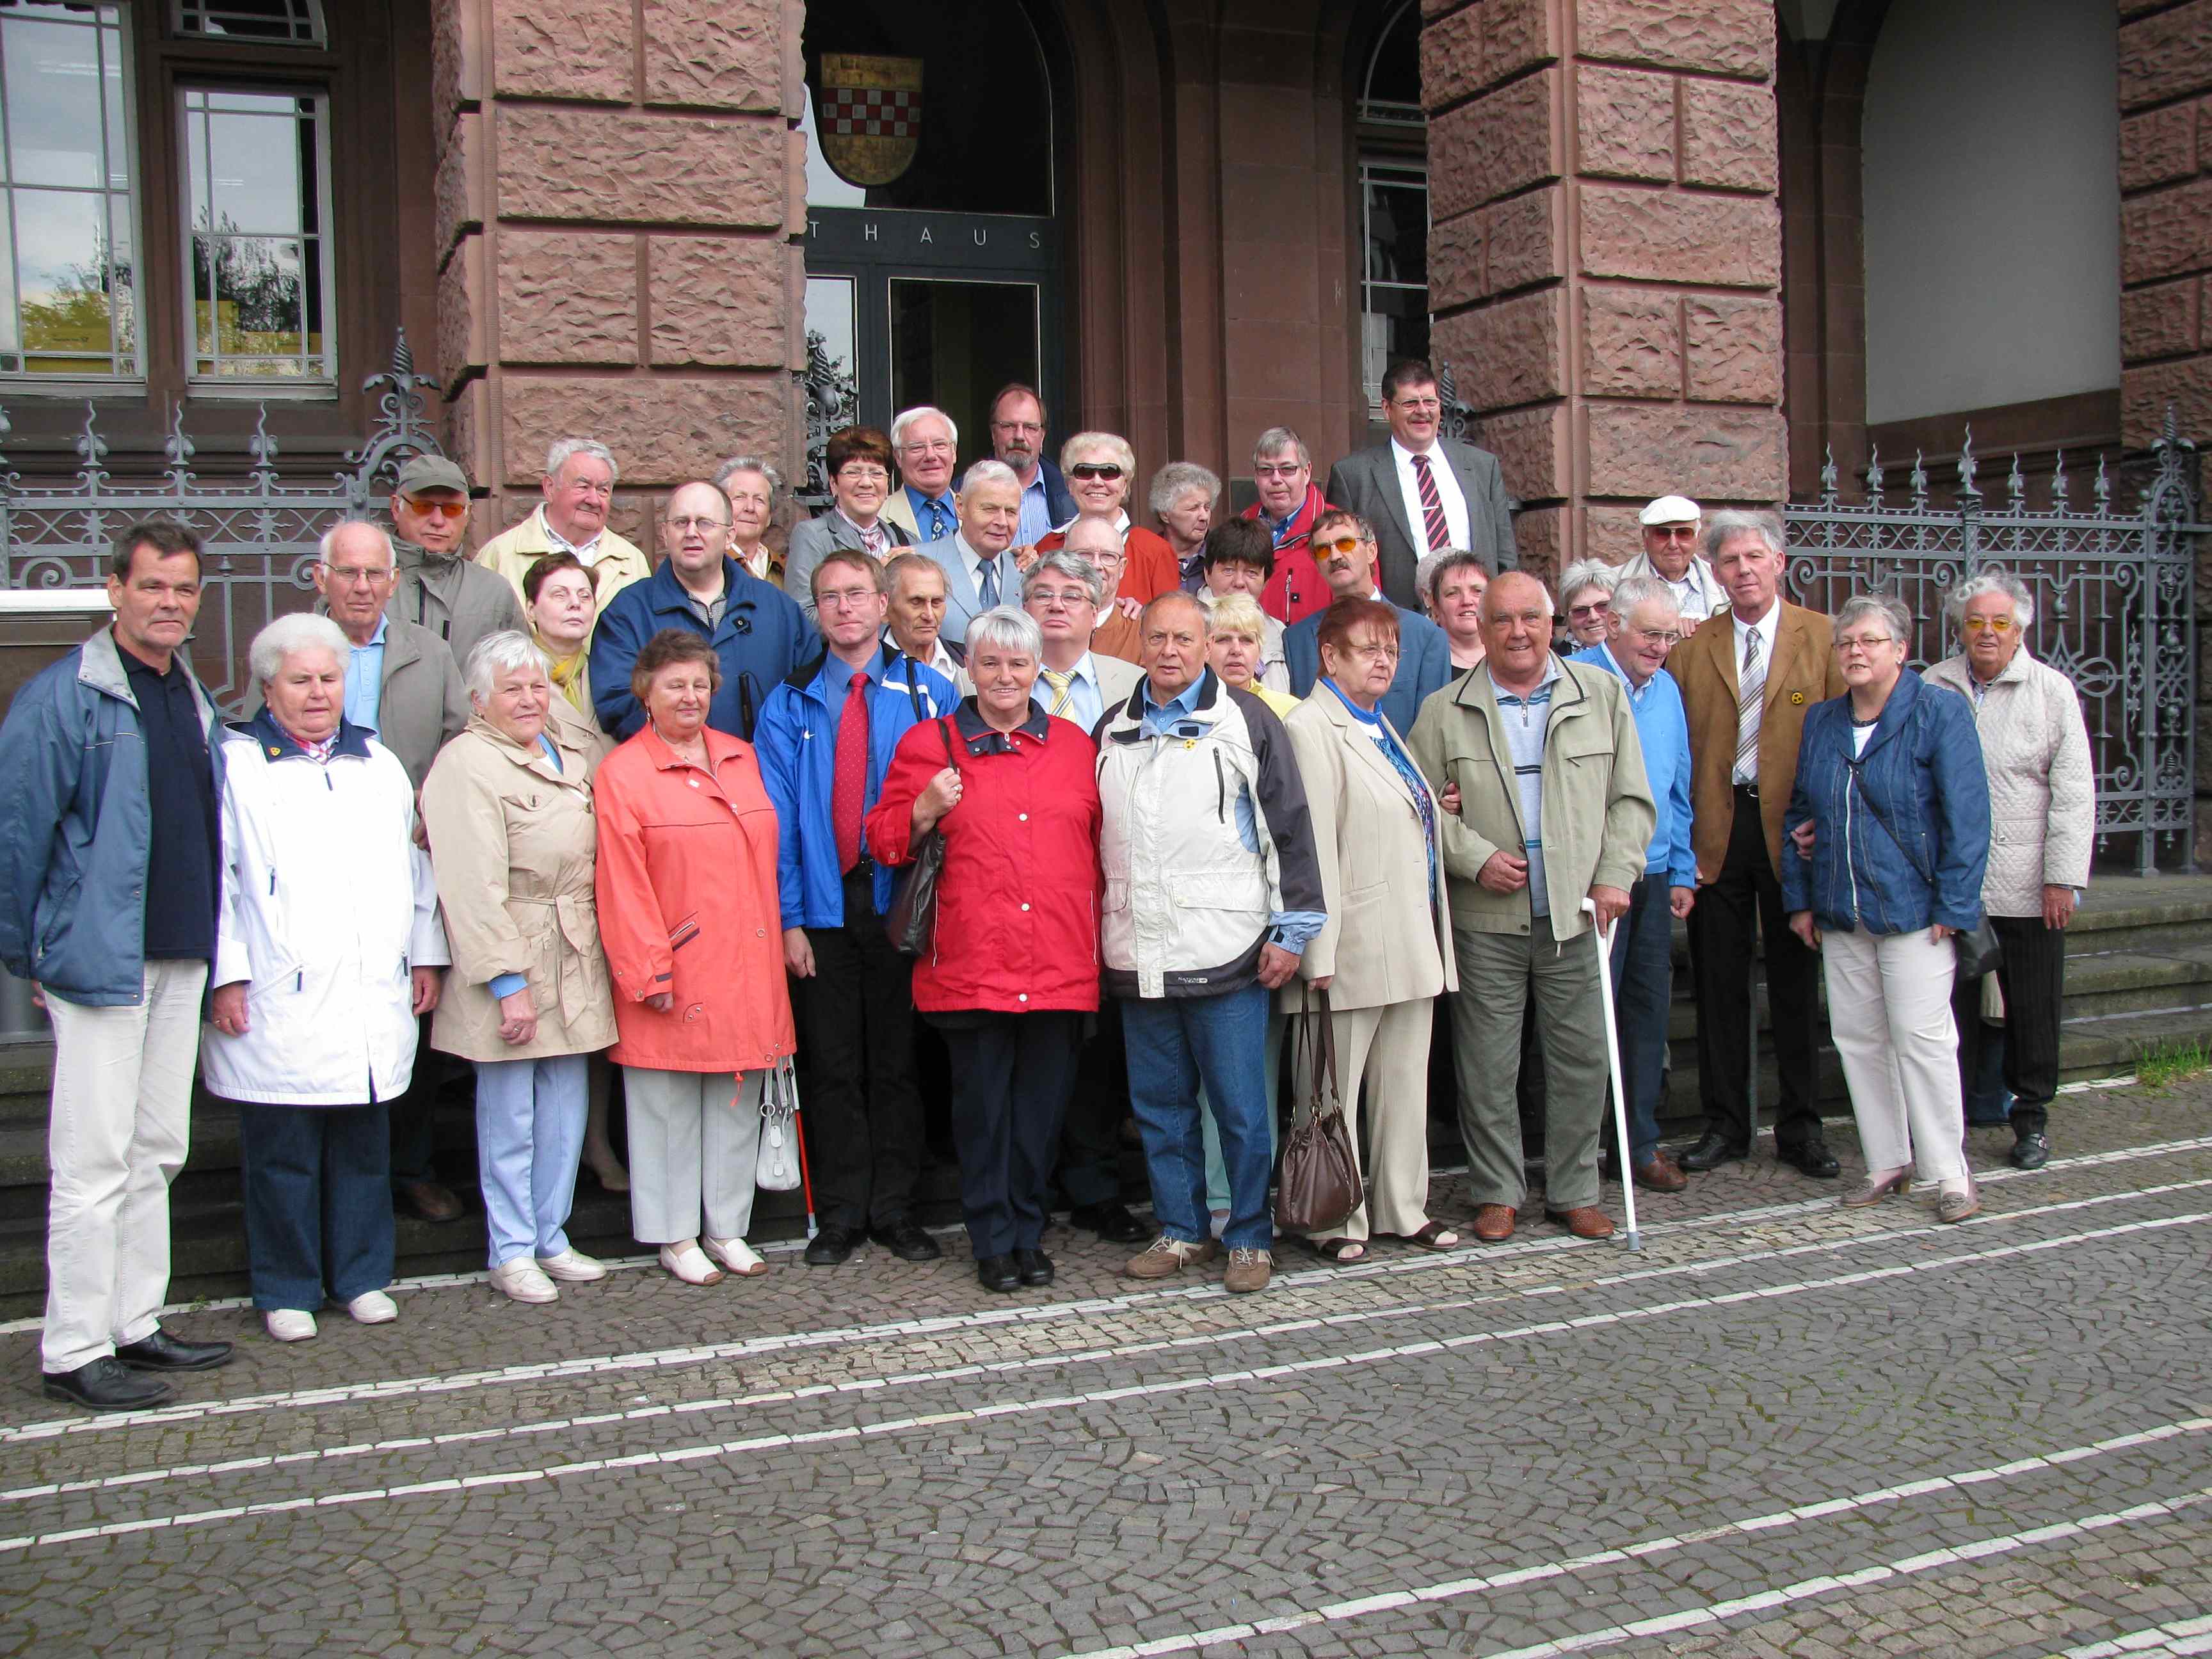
point(1394, 203)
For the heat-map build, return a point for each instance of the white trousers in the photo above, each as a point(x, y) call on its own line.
point(120, 1123)
point(694, 1140)
point(1889, 1008)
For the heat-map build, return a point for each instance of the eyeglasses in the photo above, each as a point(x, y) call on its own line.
point(1845, 648)
point(451, 512)
point(1279, 470)
point(1603, 608)
point(1106, 470)
point(1374, 653)
point(844, 599)
point(1998, 625)
point(1058, 598)
point(853, 473)
point(685, 526)
point(1418, 405)
point(1664, 636)
point(353, 576)
point(1671, 532)
point(1341, 544)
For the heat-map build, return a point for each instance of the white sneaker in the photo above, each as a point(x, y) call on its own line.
point(372, 1307)
point(572, 1266)
point(289, 1324)
point(689, 1265)
point(522, 1280)
point(735, 1255)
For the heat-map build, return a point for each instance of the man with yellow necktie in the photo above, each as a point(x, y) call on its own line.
point(1063, 592)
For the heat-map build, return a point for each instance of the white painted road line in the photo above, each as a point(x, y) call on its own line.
point(2182, 1636)
point(1225, 1380)
point(1211, 1338)
point(1690, 1618)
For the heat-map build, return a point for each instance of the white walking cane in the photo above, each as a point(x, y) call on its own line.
point(1604, 938)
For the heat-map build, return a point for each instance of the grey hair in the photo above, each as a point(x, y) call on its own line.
point(300, 631)
point(919, 564)
point(1887, 606)
point(493, 655)
point(1007, 630)
point(1177, 479)
point(907, 417)
point(1992, 581)
point(1433, 568)
point(1074, 567)
point(1177, 596)
point(329, 537)
point(1587, 572)
point(1112, 442)
point(1274, 440)
point(738, 464)
point(1729, 523)
point(1632, 590)
point(565, 450)
point(988, 472)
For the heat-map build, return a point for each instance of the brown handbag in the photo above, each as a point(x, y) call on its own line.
point(1320, 1185)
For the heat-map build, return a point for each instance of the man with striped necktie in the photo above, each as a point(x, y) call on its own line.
point(1063, 592)
point(1748, 676)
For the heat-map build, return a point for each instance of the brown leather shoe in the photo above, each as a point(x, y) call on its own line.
point(1587, 1221)
point(428, 1198)
point(1660, 1175)
point(1493, 1223)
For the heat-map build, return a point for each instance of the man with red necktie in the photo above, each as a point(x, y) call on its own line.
point(1424, 492)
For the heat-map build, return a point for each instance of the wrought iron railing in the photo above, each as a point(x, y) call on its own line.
point(2114, 607)
point(259, 533)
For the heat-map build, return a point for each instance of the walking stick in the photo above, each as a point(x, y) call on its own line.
point(799, 1133)
point(1604, 939)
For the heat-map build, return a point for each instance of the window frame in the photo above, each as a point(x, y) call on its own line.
point(319, 21)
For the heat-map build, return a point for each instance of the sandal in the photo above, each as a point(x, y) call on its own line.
point(1434, 1237)
point(1337, 1249)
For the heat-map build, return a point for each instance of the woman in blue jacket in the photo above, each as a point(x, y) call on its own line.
point(1890, 777)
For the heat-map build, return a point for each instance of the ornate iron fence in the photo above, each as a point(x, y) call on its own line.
point(2114, 607)
point(260, 534)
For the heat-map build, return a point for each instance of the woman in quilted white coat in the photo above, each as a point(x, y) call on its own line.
point(2042, 820)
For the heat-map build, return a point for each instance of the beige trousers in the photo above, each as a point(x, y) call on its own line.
point(1889, 1011)
point(1387, 1049)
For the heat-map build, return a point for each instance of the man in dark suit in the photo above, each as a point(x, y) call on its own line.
point(1344, 543)
point(1421, 491)
point(1017, 432)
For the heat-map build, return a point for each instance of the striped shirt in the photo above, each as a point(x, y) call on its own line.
point(1525, 721)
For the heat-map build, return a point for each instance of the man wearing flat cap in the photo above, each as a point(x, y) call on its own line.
point(439, 587)
point(1670, 553)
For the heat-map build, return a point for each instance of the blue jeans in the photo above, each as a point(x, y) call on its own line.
point(1217, 1168)
point(530, 1137)
point(318, 1201)
point(1175, 1044)
point(1643, 988)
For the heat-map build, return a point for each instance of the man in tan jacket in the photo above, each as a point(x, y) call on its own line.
point(1538, 767)
point(1747, 675)
point(579, 487)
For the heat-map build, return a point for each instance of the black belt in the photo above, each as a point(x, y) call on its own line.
point(1750, 789)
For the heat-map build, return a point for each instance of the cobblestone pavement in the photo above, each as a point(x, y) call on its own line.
point(1779, 1429)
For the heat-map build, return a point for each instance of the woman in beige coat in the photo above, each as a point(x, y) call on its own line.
point(1385, 954)
point(512, 840)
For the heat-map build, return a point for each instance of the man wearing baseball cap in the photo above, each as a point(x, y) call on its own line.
point(439, 587)
point(1670, 553)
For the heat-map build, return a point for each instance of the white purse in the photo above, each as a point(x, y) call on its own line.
point(776, 1169)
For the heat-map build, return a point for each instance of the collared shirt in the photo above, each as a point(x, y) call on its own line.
point(1086, 698)
point(976, 564)
point(1769, 629)
point(587, 551)
point(1447, 492)
point(1526, 721)
point(181, 884)
point(1036, 511)
point(364, 680)
point(1663, 728)
point(837, 676)
point(934, 519)
point(1693, 594)
point(1409, 774)
point(709, 611)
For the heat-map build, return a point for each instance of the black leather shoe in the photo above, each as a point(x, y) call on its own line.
point(1813, 1158)
point(997, 1273)
point(831, 1245)
point(1034, 1265)
point(163, 1353)
point(105, 1385)
point(430, 1199)
point(906, 1241)
point(1711, 1153)
point(2030, 1151)
point(1111, 1221)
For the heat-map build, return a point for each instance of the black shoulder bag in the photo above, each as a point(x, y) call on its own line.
point(911, 921)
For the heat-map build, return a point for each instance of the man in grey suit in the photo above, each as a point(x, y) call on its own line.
point(1344, 546)
point(1423, 492)
point(979, 571)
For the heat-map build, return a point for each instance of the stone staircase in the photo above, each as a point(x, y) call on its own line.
point(2139, 976)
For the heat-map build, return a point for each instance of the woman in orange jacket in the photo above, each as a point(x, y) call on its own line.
point(694, 937)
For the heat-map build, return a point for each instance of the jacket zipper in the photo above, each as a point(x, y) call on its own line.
point(1220, 791)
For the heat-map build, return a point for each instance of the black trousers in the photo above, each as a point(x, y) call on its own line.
point(414, 1115)
point(1743, 905)
point(1089, 1155)
point(2032, 976)
point(861, 1111)
point(1011, 1078)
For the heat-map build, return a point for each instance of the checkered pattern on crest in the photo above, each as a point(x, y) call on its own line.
point(870, 113)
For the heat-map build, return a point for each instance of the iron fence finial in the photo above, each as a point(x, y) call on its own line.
point(2016, 485)
point(1873, 474)
point(1919, 482)
point(1967, 469)
point(2059, 489)
point(1828, 475)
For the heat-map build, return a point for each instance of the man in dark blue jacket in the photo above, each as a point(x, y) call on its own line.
point(1017, 432)
point(110, 879)
point(1344, 547)
point(757, 630)
point(825, 741)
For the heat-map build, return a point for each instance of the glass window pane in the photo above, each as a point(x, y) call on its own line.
point(260, 280)
point(298, 22)
point(61, 270)
point(53, 103)
point(253, 166)
point(954, 343)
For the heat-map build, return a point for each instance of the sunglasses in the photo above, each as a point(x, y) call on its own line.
point(1106, 470)
point(449, 511)
point(1991, 624)
point(1341, 544)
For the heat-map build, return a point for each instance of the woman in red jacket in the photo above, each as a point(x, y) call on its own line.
point(694, 936)
point(1100, 467)
point(1013, 965)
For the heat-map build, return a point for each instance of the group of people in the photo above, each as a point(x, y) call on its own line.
point(1080, 799)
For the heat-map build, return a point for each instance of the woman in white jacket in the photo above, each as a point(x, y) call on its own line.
point(328, 947)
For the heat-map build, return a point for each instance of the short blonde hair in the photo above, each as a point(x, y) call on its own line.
point(1240, 614)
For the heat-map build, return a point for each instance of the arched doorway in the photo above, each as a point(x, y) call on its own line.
point(934, 259)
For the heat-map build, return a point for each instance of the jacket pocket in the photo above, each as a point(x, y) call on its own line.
point(685, 932)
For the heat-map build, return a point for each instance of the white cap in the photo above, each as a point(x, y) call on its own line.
point(1669, 509)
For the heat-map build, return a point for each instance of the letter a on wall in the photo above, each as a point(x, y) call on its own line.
point(868, 111)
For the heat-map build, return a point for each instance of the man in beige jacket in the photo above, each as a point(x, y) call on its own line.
point(579, 487)
point(1541, 774)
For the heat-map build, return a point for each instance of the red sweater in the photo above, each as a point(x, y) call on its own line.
point(1148, 563)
